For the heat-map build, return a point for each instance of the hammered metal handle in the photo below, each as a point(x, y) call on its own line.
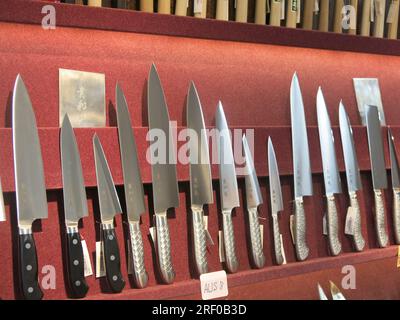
point(255, 237)
point(139, 270)
point(164, 248)
point(396, 214)
point(231, 261)
point(302, 249)
point(277, 240)
point(333, 226)
point(199, 241)
point(380, 223)
point(358, 238)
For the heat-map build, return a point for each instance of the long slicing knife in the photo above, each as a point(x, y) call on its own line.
point(109, 207)
point(228, 188)
point(352, 175)
point(276, 200)
point(134, 195)
point(253, 199)
point(75, 208)
point(301, 167)
point(200, 176)
point(29, 185)
point(396, 187)
point(165, 185)
point(379, 178)
point(331, 173)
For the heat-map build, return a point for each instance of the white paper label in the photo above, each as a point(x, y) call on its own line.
point(87, 264)
point(198, 6)
point(221, 246)
point(324, 226)
point(100, 262)
point(283, 250)
point(214, 285)
point(349, 226)
point(292, 227)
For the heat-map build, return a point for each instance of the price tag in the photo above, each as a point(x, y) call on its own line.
point(198, 6)
point(324, 226)
point(87, 265)
point(100, 262)
point(221, 248)
point(214, 285)
point(349, 226)
point(292, 225)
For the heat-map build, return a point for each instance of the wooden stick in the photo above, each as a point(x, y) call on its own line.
point(366, 18)
point(291, 13)
point(393, 26)
point(203, 4)
point(241, 10)
point(164, 6)
point(94, 3)
point(261, 12)
point(222, 12)
point(275, 14)
point(379, 24)
point(181, 7)
point(337, 20)
point(146, 5)
point(308, 14)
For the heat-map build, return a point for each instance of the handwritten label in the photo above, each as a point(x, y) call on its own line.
point(100, 262)
point(214, 285)
point(87, 264)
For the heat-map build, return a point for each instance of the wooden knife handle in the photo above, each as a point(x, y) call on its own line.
point(308, 16)
point(380, 220)
point(199, 241)
point(291, 13)
point(335, 247)
point(260, 12)
point(302, 249)
point(275, 15)
point(222, 11)
point(323, 24)
point(366, 18)
point(146, 5)
point(164, 6)
point(164, 248)
point(337, 20)
point(112, 259)
point(75, 265)
point(181, 7)
point(241, 10)
point(203, 13)
point(28, 266)
point(231, 260)
point(396, 214)
point(393, 27)
point(139, 270)
point(255, 237)
point(277, 239)
point(379, 23)
point(358, 238)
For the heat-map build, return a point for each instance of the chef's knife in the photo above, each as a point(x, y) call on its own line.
point(165, 185)
point(109, 208)
point(378, 168)
point(276, 200)
point(396, 187)
point(253, 200)
point(228, 188)
point(352, 174)
point(331, 173)
point(301, 167)
point(75, 208)
point(29, 185)
point(133, 186)
point(200, 176)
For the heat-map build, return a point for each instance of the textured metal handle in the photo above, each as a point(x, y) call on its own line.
point(396, 214)
point(380, 223)
point(164, 248)
point(335, 247)
point(231, 261)
point(139, 270)
point(277, 239)
point(199, 240)
point(255, 237)
point(358, 238)
point(302, 249)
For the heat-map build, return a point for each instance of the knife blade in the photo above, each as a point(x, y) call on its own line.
point(394, 163)
point(109, 207)
point(352, 174)
point(331, 173)
point(228, 188)
point(253, 200)
point(276, 200)
point(200, 176)
point(301, 168)
point(379, 178)
point(29, 186)
point(75, 208)
point(165, 185)
point(133, 186)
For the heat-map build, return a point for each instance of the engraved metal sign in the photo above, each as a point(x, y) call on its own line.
point(82, 96)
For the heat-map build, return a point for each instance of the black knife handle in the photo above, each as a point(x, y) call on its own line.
point(112, 259)
point(76, 273)
point(28, 266)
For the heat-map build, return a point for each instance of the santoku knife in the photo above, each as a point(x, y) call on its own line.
point(133, 186)
point(29, 185)
point(395, 186)
point(109, 208)
point(75, 208)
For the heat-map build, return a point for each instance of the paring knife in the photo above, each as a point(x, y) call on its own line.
point(276, 200)
point(352, 174)
point(253, 200)
point(200, 176)
point(228, 188)
point(331, 173)
point(75, 208)
point(378, 168)
point(109, 207)
point(133, 186)
point(301, 167)
point(29, 185)
point(165, 185)
point(396, 187)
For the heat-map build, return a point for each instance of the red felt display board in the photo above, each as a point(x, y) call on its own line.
point(252, 79)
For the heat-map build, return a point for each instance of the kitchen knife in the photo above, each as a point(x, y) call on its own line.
point(133, 186)
point(165, 185)
point(337, 19)
point(253, 200)
point(164, 6)
point(276, 200)
point(366, 18)
point(260, 12)
point(275, 14)
point(241, 10)
point(354, 4)
point(228, 188)
point(109, 208)
point(378, 168)
point(222, 10)
point(396, 186)
point(393, 25)
point(352, 174)
point(29, 186)
point(200, 8)
point(308, 16)
point(291, 13)
point(146, 5)
point(323, 24)
point(181, 7)
point(94, 3)
point(200, 176)
point(301, 167)
point(331, 173)
point(75, 208)
point(379, 22)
